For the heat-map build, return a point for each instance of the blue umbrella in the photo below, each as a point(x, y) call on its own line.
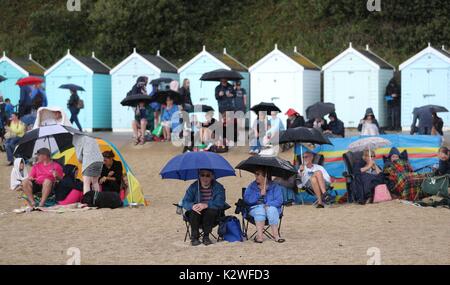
point(72, 87)
point(187, 166)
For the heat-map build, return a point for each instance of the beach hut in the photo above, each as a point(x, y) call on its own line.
point(425, 80)
point(204, 92)
point(89, 73)
point(356, 80)
point(13, 69)
point(124, 76)
point(287, 79)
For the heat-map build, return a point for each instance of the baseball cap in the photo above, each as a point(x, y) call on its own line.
point(44, 151)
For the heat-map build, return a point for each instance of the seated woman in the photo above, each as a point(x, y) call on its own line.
point(265, 199)
point(112, 172)
point(18, 174)
point(369, 126)
point(368, 175)
point(70, 189)
point(403, 181)
point(139, 124)
point(444, 163)
point(169, 119)
point(202, 201)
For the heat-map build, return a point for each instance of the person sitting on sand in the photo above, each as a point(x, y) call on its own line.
point(18, 174)
point(112, 172)
point(315, 177)
point(70, 189)
point(403, 181)
point(42, 177)
point(265, 199)
point(202, 201)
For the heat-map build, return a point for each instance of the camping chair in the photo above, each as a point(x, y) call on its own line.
point(247, 219)
point(188, 233)
point(319, 160)
point(350, 158)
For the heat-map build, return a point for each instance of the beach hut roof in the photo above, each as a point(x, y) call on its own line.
point(25, 65)
point(366, 54)
point(91, 64)
point(225, 60)
point(156, 62)
point(441, 53)
point(295, 56)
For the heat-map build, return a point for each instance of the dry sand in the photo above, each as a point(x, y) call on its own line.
point(341, 234)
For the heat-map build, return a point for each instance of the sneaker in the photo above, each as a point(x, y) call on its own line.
point(209, 146)
point(195, 242)
point(206, 241)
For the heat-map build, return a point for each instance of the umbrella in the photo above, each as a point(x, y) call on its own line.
point(134, 100)
point(161, 97)
point(265, 107)
point(370, 144)
point(201, 109)
point(72, 87)
point(30, 80)
point(220, 74)
point(54, 137)
point(2, 78)
point(274, 165)
point(430, 108)
point(319, 110)
point(161, 80)
point(303, 135)
point(187, 166)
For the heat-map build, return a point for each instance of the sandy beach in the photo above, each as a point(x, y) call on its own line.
point(341, 234)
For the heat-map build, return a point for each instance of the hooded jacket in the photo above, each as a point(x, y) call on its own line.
point(274, 195)
point(16, 175)
point(87, 150)
point(68, 183)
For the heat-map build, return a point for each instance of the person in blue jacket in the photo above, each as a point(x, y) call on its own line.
point(265, 199)
point(203, 201)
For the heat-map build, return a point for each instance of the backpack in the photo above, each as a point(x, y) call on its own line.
point(101, 200)
point(230, 229)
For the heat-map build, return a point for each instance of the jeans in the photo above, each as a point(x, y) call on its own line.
point(260, 213)
point(255, 145)
point(206, 221)
point(10, 145)
point(74, 117)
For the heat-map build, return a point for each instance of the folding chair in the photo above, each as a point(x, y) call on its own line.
point(350, 158)
point(248, 219)
point(188, 233)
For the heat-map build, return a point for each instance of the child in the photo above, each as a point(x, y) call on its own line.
point(18, 174)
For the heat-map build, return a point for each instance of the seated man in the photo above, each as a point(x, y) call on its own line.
point(265, 199)
point(42, 177)
point(112, 172)
point(202, 201)
point(314, 177)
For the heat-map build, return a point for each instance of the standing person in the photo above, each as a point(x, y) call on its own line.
point(294, 119)
point(224, 96)
point(394, 104)
point(169, 118)
point(74, 105)
point(425, 118)
point(369, 126)
point(240, 101)
point(139, 124)
point(155, 106)
point(259, 130)
point(38, 97)
point(438, 125)
point(185, 92)
point(335, 127)
point(89, 155)
point(25, 101)
point(275, 127)
point(14, 132)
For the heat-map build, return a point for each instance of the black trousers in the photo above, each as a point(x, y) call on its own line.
point(206, 221)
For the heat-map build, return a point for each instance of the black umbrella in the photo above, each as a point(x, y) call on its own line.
point(303, 135)
point(161, 97)
point(265, 107)
point(319, 110)
point(2, 78)
point(220, 74)
point(430, 108)
point(201, 109)
point(274, 165)
point(72, 87)
point(161, 80)
point(134, 100)
point(54, 137)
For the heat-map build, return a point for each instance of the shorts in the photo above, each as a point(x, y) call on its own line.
point(308, 185)
point(37, 188)
point(94, 170)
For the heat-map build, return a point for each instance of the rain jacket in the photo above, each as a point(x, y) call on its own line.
point(274, 195)
point(193, 196)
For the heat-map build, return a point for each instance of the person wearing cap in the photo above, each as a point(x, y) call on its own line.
point(294, 119)
point(335, 127)
point(42, 177)
point(369, 126)
point(314, 177)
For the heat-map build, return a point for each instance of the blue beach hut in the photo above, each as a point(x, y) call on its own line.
point(124, 76)
point(425, 80)
point(356, 80)
point(204, 92)
point(13, 69)
point(93, 76)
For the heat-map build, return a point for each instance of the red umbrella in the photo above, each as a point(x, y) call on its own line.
point(30, 80)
